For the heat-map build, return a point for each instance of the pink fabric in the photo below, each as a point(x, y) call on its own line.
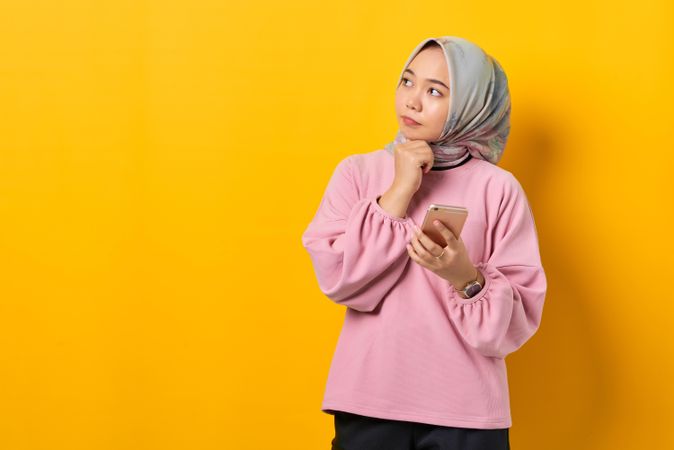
point(410, 347)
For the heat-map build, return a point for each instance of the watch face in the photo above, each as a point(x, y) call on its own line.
point(473, 289)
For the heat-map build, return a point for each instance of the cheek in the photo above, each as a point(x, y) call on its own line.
point(399, 102)
point(438, 111)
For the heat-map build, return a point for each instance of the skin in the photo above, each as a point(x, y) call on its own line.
point(426, 102)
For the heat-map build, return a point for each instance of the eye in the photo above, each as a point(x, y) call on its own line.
point(405, 80)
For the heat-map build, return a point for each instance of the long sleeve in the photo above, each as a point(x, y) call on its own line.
point(508, 309)
point(356, 247)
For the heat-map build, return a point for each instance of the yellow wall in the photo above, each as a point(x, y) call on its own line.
point(160, 160)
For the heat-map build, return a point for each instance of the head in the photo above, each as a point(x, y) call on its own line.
point(459, 96)
point(423, 94)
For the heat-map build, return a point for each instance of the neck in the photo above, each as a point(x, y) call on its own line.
point(452, 164)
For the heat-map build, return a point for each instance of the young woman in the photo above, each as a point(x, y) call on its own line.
point(420, 361)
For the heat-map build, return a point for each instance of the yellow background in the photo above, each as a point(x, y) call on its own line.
point(159, 161)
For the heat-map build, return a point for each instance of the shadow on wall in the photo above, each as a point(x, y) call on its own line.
point(561, 380)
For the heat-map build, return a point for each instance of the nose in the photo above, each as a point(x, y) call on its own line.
point(412, 101)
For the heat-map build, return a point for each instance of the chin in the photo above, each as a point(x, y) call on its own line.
point(414, 134)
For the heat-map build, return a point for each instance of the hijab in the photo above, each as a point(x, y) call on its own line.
point(478, 122)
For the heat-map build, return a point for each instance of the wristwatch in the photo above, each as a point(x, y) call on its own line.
point(472, 288)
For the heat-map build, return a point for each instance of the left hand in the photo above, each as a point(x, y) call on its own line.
point(454, 265)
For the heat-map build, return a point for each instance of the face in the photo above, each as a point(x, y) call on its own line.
point(423, 95)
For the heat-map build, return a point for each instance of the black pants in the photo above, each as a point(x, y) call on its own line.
point(356, 432)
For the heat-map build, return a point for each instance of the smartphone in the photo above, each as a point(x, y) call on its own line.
point(453, 217)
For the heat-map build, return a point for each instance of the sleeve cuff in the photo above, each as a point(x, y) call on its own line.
point(487, 272)
point(388, 215)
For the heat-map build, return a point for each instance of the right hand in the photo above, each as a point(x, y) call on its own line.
point(413, 159)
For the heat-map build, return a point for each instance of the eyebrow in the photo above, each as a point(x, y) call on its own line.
point(429, 79)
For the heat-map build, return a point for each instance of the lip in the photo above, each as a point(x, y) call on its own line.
point(410, 121)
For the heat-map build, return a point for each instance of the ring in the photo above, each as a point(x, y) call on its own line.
point(440, 255)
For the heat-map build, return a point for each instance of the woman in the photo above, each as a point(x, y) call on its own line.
point(420, 361)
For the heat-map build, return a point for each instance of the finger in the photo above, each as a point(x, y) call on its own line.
point(444, 231)
point(413, 255)
point(424, 156)
point(428, 243)
point(419, 249)
point(427, 163)
point(428, 155)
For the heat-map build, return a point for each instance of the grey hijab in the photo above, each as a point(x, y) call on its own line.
point(478, 122)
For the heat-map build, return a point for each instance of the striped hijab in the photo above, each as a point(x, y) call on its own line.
point(478, 122)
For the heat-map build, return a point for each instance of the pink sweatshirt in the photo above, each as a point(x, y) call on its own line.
point(410, 347)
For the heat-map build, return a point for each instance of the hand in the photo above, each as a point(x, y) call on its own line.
point(412, 159)
point(454, 265)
